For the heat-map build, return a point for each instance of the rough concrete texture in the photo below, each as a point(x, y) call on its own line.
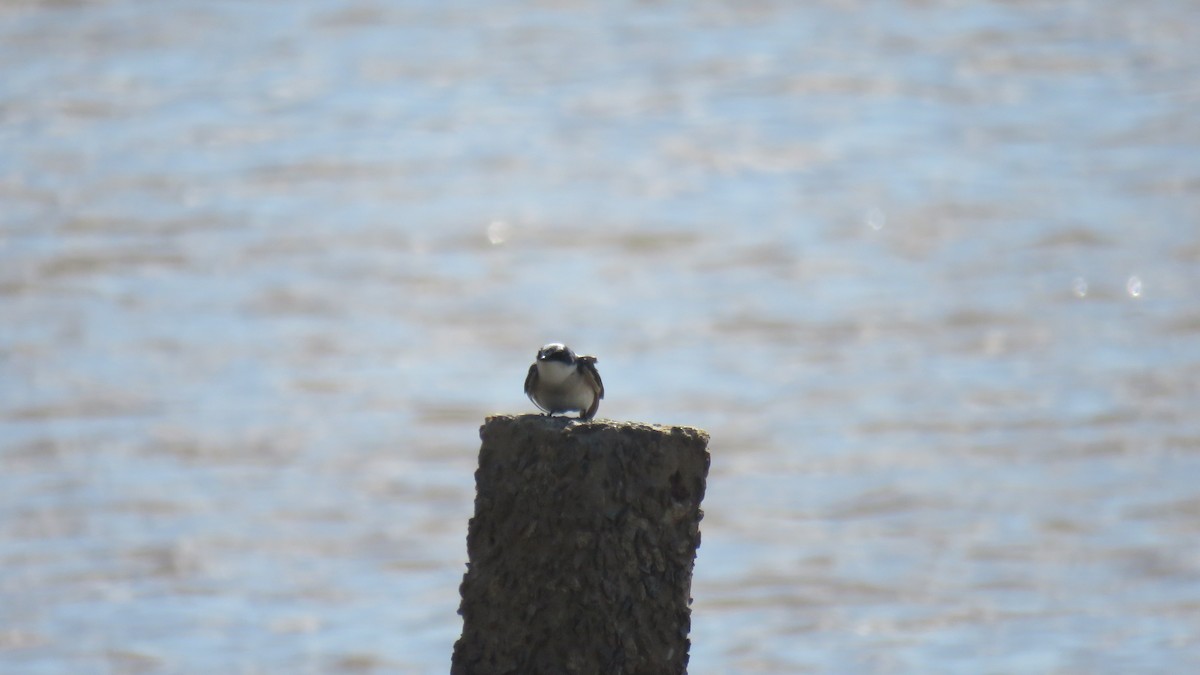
point(581, 548)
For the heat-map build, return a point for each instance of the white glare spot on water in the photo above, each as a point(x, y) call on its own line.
point(875, 218)
point(1134, 286)
point(1079, 287)
point(498, 232)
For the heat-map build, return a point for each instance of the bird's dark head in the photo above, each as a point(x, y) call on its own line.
point(556, 351)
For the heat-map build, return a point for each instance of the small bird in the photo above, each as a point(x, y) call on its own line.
point(559, 382)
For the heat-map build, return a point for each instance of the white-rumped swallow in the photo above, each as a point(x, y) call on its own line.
point(560, 382)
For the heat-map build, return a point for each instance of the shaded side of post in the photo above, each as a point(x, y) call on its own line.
point(581, 548)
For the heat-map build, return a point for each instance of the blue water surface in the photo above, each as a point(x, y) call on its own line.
point(927, 273)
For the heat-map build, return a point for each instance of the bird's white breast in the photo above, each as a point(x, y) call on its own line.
point(554, 373)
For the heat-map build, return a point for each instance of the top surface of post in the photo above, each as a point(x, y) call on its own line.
point(533, 423)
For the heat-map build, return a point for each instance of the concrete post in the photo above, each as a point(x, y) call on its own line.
point(581, 548)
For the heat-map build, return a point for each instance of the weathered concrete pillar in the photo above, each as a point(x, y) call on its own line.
point(581, 548)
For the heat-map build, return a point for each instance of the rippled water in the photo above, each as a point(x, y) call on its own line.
point(927, 271)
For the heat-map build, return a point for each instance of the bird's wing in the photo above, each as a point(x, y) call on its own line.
point(588, 367)
point(530, 381)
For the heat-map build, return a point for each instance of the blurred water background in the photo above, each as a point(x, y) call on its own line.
point(927, 271)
